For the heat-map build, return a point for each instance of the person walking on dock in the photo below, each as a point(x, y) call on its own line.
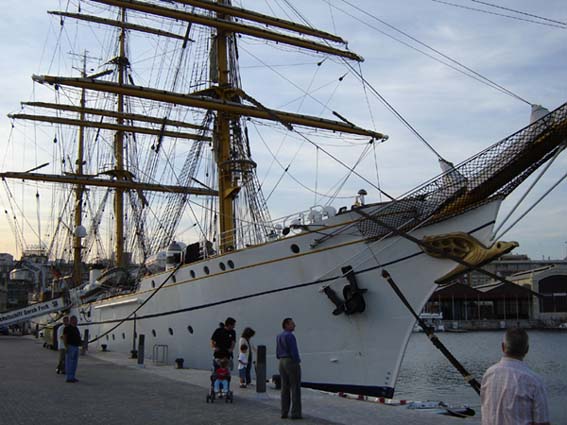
point(72, 339)
point(290, 370)
point(511, 393)
point(61, 346)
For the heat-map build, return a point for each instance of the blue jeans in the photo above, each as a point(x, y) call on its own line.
point(71, 360)
point(221, 384)
point(242, 374)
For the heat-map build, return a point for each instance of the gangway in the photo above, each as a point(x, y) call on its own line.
point(29, 312)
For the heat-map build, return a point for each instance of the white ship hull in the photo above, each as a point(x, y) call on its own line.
point(358, 353)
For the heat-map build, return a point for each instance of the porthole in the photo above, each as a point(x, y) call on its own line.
point(295, 249)
point(123, 335)
point(192, 273)
point(153, 284)
point(206, 270)
point(222, 266)
point(230, 264)
point(113, 337)
point(170, 331)
point(190, 329)
point(154, 332)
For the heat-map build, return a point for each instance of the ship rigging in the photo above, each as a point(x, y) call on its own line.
point(168, 129)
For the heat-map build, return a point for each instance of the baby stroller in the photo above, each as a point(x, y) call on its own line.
point(216, 390)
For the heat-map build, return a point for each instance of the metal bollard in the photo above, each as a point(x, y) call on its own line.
point(261, 369)
point(277, 380)
point(141, 340)
point(85, 346)
point(133, 352)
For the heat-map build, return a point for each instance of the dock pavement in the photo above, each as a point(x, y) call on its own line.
point(113, 389)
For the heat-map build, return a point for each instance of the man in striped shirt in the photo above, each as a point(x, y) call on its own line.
point(511, 394)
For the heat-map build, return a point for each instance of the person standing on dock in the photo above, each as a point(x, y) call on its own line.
point(223, 341)
point(245, 338)
point(242, 364)
point(511, 393)
point(61, 346)
point(72, 339)
point(290, 370)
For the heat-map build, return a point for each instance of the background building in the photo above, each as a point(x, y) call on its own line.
point(508, 265)
point(6, 264)
point(535, 295)
point(550, 283)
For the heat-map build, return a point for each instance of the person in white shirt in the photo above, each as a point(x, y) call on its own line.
point(242, 365)
point(245, 339)
point(61, 346)
point(511, 393)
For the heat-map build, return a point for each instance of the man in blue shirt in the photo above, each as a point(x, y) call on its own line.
point(290, 370)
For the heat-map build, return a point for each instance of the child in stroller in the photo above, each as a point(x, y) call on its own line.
point(220, 382)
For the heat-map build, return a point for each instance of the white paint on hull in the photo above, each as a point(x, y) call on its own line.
point(362, 349)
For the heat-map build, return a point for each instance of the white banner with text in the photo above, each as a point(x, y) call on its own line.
point(30, 311)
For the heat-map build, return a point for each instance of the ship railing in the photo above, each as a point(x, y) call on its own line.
point(250, 234)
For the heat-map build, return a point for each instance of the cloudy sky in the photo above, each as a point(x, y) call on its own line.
point(456, 114)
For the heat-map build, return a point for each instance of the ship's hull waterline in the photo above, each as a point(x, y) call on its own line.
point(260, 286)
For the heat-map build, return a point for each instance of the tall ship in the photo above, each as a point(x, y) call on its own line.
point(157, 200)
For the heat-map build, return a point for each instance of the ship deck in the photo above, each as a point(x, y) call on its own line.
point(113, 389)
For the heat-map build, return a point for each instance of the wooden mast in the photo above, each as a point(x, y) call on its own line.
point(110, 126)
point(126, 116)
point(210, 103)
point(233, 27)
point(119, 152)
point(227, 188)
point(79, 189)
point(88, 180)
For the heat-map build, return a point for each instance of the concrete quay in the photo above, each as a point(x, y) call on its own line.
point(113, 389)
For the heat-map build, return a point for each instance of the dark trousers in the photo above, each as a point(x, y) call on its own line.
point(61, 363)
point(290, 373)
point(248, 379)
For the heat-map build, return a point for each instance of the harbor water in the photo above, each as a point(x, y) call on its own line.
point(427, 375)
